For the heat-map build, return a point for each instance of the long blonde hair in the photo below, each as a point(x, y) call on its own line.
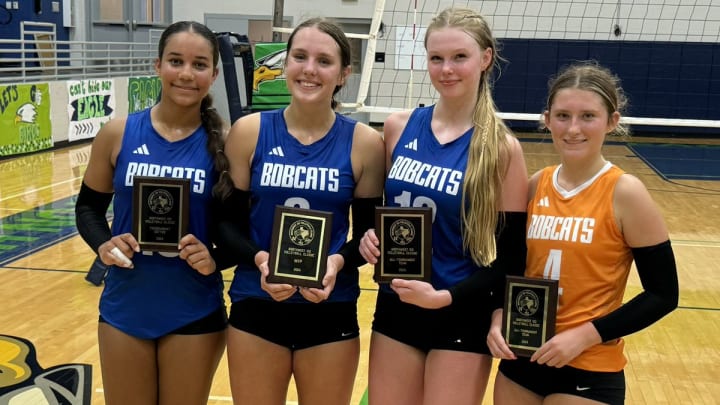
point(489, 149)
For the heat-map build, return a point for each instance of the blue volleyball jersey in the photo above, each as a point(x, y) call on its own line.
point(318, 176)
point(162, 292)
point(425, 173)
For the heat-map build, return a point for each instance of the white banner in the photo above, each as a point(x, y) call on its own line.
point(91, 103)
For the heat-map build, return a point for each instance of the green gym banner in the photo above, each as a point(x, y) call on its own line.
point(143, 92)
point(269, 87)
point(24, 118)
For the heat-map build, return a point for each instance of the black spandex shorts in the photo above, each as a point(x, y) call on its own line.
point(454, 327)
point(296, 325)
point(215, 322)
point(605, 387)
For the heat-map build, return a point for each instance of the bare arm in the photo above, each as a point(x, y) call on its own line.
point(369, 172)
point(645, 232)
point(103, 155)
point(240, 147)
point(515, 182)
point(367, 160)
point(392, 129)
point(510, 234)
point(95, 196)
point(637, 215)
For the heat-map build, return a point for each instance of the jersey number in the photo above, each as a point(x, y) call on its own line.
point(552, 266)
point(297, 202)
point(405, 199)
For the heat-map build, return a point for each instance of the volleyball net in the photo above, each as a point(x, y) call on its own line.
point(666, 53)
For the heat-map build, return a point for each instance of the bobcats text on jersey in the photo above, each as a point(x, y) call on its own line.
point(568, 229)
point(443, 179)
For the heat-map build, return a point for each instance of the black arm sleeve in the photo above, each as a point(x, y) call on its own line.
point(90, 220)
point(223, 258)
point(232, 233)
point(658, 276)
point(489, 282)
point(363, 218)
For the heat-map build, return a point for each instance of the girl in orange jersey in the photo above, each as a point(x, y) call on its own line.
point(587, 221)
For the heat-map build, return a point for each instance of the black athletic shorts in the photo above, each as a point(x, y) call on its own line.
point(454, 327)
point(215, 322)
point(296, 325)
point(605, 387)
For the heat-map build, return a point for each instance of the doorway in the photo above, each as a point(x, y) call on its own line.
point(127, 20)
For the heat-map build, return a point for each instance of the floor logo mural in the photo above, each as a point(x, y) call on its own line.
point(23, 381)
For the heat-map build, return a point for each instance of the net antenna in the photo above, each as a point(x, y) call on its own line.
point(369, 60)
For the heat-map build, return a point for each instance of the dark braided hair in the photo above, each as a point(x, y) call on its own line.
point(212, 122)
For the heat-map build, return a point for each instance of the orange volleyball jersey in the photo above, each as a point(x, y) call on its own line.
point(573, 237)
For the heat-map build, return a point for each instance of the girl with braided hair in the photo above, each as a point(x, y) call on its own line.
point(429, 339)
point(162, 314)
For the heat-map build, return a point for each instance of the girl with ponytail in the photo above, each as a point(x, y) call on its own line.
point(457, 157)
point(162, 321)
